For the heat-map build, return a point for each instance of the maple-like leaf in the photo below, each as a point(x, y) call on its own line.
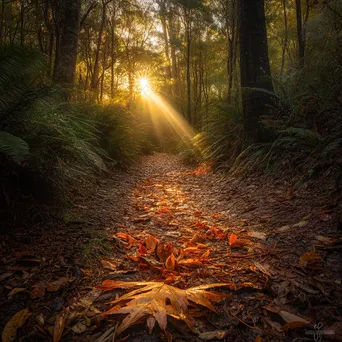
point(154, 301)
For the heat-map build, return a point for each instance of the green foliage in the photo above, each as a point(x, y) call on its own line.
point(47, 145)
point(13, 147)
point(221, 139)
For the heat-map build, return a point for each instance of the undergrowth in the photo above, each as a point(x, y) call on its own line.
point(303, 130)
point(48, 146)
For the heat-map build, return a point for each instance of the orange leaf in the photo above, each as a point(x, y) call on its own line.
point(232, 239)
point(205, 255)
point(218, 232)
point(151, 242)
point(239, 243)
point(191, 263)
point(198, 237)
point(154, 301)
point(310, 259)
point(142, 250)
point(171, 262)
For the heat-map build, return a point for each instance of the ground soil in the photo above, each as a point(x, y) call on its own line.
point(286, 259)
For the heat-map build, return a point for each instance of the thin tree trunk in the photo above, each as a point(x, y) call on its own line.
point(284, 47)
point(231, 48)
point(112, 80)
point(188, 64)
point(300, 38)
point(95, 78)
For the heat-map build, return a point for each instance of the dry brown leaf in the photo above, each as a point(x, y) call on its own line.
point(108, 265)
point(38, 291)
point(159, 300)
point(15, 291)
point(58, 328)
point(309, 259)
point(56, 285)
point(10, 331)
point(163, 251)
point(151, 242)
point(296, 325)
point(257, 235)
point(190, 263)
point(213, 335)
point(198, 237)
point(237, 243)
point(171, 262)
point(5, 276)
point(285, 315)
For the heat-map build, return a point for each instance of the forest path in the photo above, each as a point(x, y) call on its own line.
point(288, 258)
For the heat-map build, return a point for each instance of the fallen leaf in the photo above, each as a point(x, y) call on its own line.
point(5, 276)
point(79, 328)
point(58, 328)
point(163, 251)
point(213, 335)
point(151, 242)
point(258, 339)
point(159, 300)
point(142, 250)
point(198, 237)
point(296, 325)
point(171, 262)
point(38, 291)
point(285, 315)
point(257, 235)
point(56, 285)
point(237, 243)
point(15, 291)
point(190, 263)
point(108, 265)
point(10, 331)
point(300, 224)
point(129, 239)
point(266, 269)
point(205, 255)
point(309, 259)
point(218, 233)
point(232, 239)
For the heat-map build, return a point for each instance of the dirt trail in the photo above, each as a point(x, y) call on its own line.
point(289, 257)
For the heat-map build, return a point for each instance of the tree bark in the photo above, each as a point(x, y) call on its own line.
point(284, 47)
point(187, 14)
point(254, 66)
point(65, 69)
point(95, 79)
point(300, 37)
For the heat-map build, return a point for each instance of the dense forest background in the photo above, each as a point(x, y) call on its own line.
point(258, 85)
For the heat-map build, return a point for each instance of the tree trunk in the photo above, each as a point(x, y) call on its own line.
point(95, 79)
point(254, 65)
point(2, 15)
point(300, 36)
point(284, 47)
point(112, 79)
point(65, 70)
point(188, 64)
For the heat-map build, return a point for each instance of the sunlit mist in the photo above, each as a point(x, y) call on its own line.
point(161, 111)
point(144, 86)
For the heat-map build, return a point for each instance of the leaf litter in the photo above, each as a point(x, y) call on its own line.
point(182, 229)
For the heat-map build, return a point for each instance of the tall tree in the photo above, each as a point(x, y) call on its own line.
point(300, 34)
point(254, 65)
point(66, 63)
